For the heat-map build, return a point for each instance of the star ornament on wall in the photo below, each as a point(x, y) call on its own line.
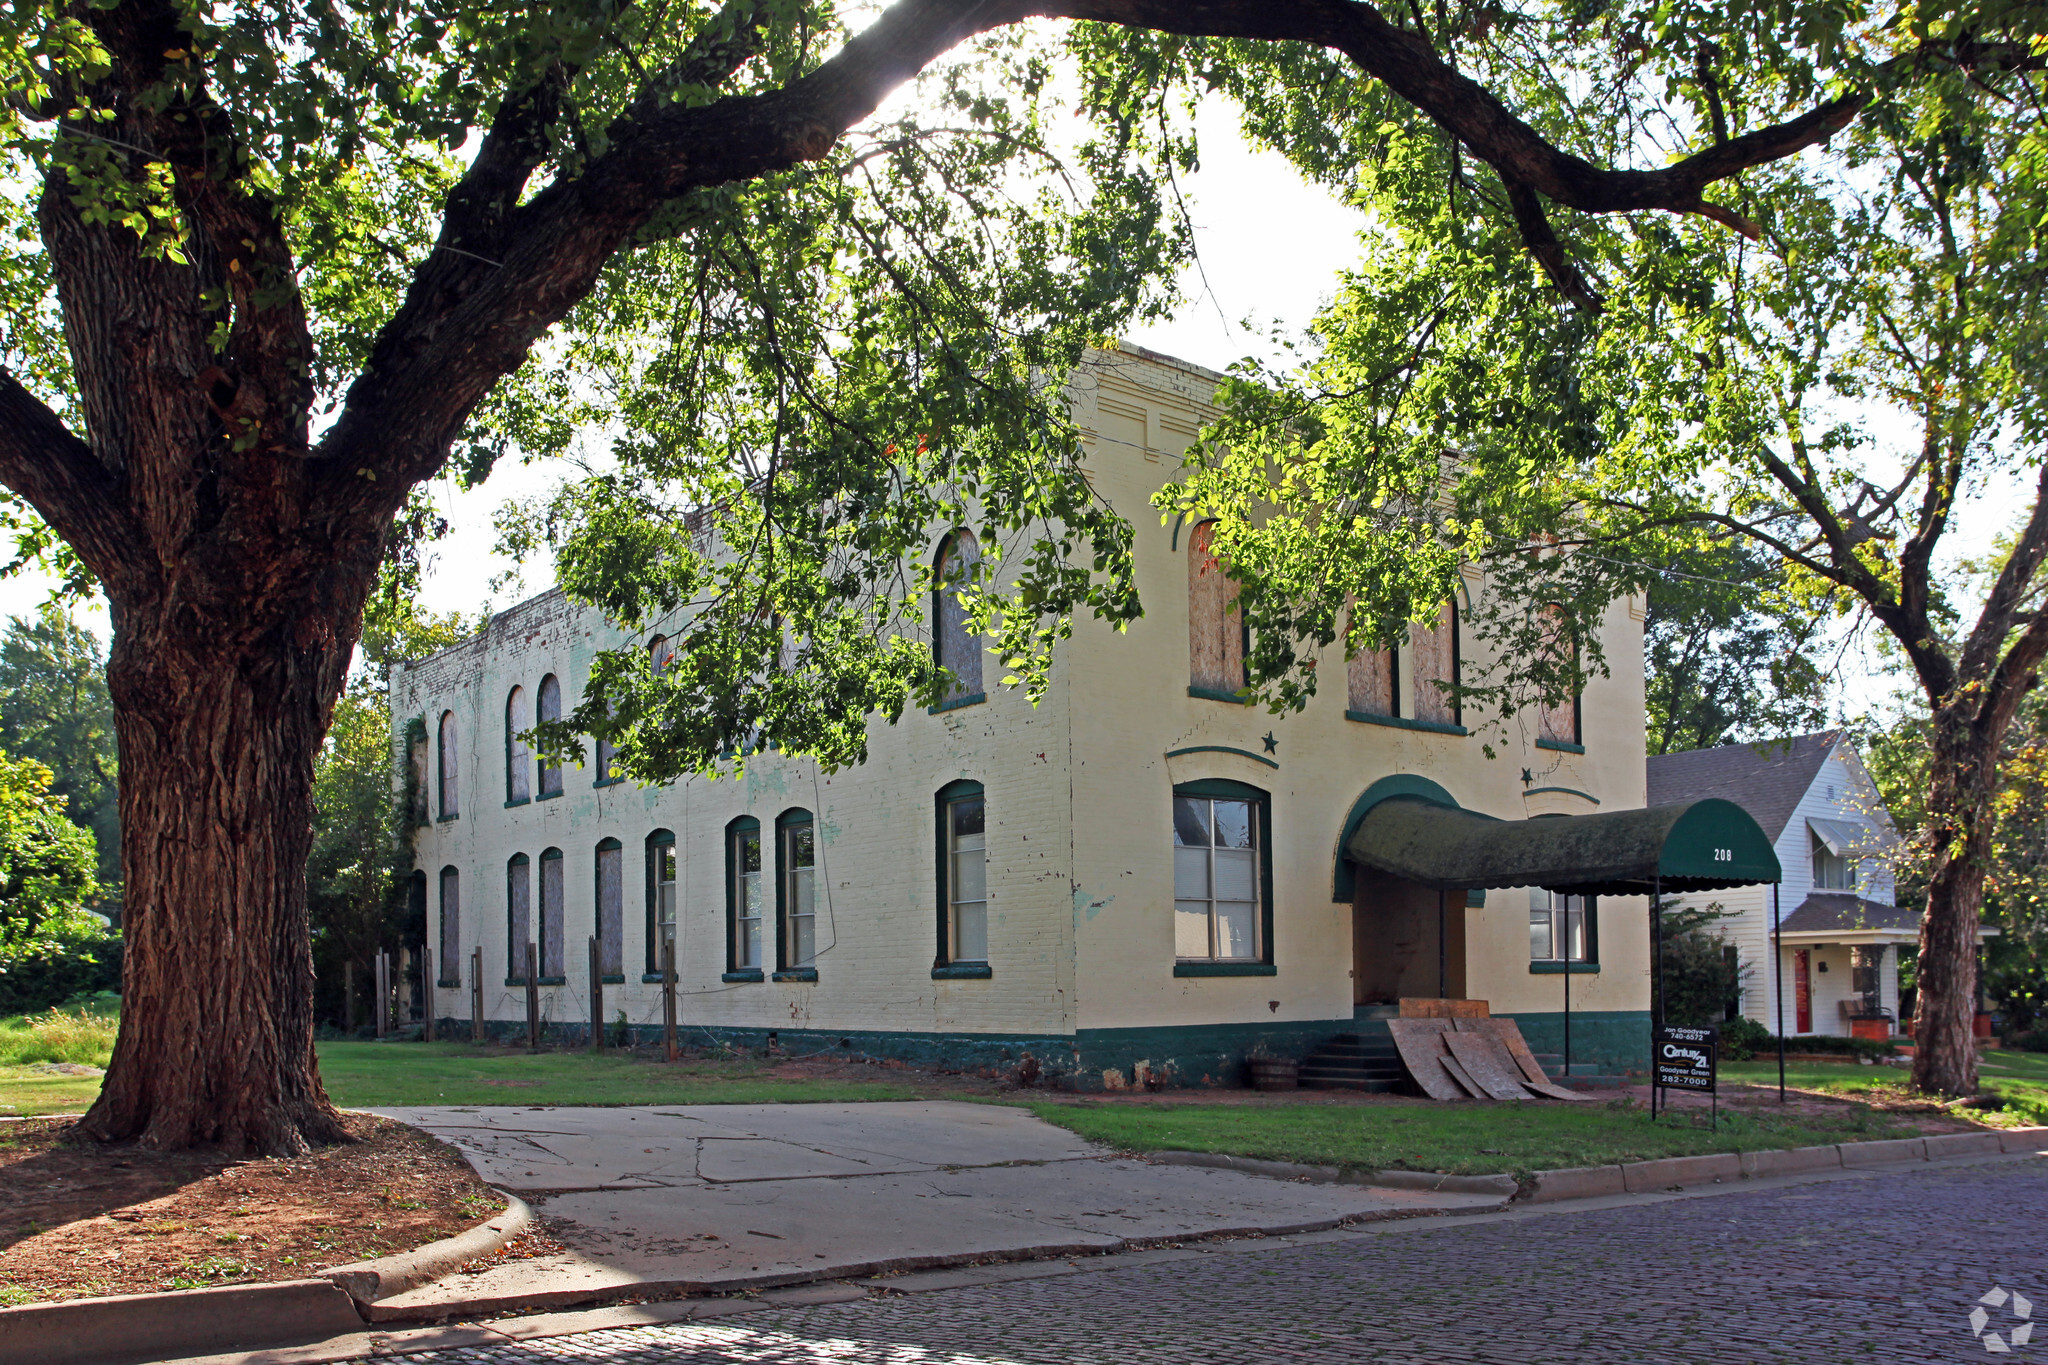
point(1272, 743)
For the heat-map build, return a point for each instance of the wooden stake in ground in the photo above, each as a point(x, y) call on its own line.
point(532, 997)
point(427, 993)
point(476, 995)
point(596, 998)
point(383, 988)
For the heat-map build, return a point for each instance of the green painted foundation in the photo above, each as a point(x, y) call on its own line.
point(1610, 1040)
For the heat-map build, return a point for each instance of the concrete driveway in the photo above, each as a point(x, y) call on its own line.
point(708, 1198)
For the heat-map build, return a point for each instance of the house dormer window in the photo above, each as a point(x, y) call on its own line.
point(1832, 869)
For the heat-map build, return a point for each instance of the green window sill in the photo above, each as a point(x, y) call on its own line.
point(798, 974)
point(445, 984)
point(972, 699)
point(656, 978)
point(1225, 969)
point(1217, 694)
point(444, 819)
point(1431, 727)
point(1564, 968)
point(518, 802)
point(608, 782)
point(1560, 746)
point(963, 971)
point(618, 980)
point(554, 981)
point(549, 796)
point(743, 974)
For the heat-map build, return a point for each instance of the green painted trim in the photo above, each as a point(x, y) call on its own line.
point(1560, 746)
point(1262, 802)
point(520, 981)
point(1430, 727)
point(1342, 887)
point(1225, 969)
point(1475, 898)
point(649, 868)
point(797, 974)
point(445, 984)
point(618, 980)
point(1218, 694)
point(549, 796)
point(1568, 791)
point(608, 782)
point(1222, 749)
point(743, 974)
point(1556, 968)
point(963, 971)
point(971, 699)
point(554, 981)
point(737, 826)
point(794, 818)
point(524, 800)
point(1617, 1040)
point(646, 978)
point(446, 819)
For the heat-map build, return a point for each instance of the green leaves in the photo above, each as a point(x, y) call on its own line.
point(46, 861)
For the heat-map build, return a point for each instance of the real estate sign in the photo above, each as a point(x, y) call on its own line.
point(1683, 1058)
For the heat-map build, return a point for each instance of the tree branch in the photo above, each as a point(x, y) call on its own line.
point(43, 461)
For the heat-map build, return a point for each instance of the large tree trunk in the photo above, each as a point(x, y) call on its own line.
point(1960, 825)
point(218, 732)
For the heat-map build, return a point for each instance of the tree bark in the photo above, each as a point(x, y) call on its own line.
point(218, 732)
point(1960, 828)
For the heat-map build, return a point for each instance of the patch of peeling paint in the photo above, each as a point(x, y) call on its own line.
point(1087, 907)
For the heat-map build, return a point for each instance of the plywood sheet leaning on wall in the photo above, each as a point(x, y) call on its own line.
point(1420, 1043)
point(1432, 1008)
point(1482, 1055)
point(1533, 1075)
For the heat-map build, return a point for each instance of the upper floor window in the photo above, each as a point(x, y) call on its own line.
point(955, 645)
point(1216, 633)
point(659, 652)
point(418, 773)
point(743, 893)
point(1373, 683)
point(517, 756)
point(1558, 720)
point(549, 710)
point(963, 874)
point(661, 894)
point(1833, 870)
point(1219, 882)
point(451, 767)
point(1435, 651)
point(796, 888)
point(1560, 927)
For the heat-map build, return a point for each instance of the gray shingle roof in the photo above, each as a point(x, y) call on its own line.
point(1841, 913)
point(1766, 778)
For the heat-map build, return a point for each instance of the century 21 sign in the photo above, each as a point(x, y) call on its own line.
point(1683, 1058)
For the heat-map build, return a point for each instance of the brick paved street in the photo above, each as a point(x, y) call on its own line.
point(1879, 1269)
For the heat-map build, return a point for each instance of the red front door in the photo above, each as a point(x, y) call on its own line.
point(1802, 989)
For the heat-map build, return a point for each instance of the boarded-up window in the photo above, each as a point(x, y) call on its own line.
point(554, 961)
point(1373, 684)
point(451, 768)
point(550, 709)
point(517, 756)
point(450, 973)
point(955, 646)
point(419, 773)
point(1215, 632)
point(611, 931)
point(1557, 720)
point(518, 916)
point(1436, 667)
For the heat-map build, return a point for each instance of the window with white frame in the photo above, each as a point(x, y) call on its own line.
point(966, 876)
point(1560, 927)
point(1832, 870)
point(1217, 878)
point(797, 889)
point(743, 861)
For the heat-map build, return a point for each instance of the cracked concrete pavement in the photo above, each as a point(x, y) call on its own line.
point(706, 1198)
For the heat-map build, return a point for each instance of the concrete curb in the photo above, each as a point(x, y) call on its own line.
point(133, 1329)
point(387, 1276)
point(1430, 1181)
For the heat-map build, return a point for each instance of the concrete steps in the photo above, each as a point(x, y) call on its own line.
point(1354, 1061)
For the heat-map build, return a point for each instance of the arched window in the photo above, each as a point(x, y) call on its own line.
point(661, 895)
point(659, 652)
point(611, 929)
point(450, 964)
point(796, 885)
point(554, 957)
point(955, 646)
point(743, 898)
point(517, 756)
point(963, 875)
point(451, 768)
point(550, 710)
point(418, 773)
point(1436, 667)
point(518, 917)
point(1222, 886)
point(1557, 721)
point(1215, 631)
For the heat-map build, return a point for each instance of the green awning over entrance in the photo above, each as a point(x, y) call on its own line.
point(1698, 846)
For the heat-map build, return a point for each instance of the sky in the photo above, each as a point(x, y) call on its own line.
point(1269, 246)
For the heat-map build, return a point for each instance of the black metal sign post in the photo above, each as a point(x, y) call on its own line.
point(1778, 981)
point(1656, 984)
point(1683, 1058)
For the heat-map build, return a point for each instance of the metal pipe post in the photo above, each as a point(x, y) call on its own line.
point(596, 998)
point(1778, 981)
point(1656, 980)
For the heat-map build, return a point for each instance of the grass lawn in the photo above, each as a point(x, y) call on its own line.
point(26, 1092)
point(2020, 1079)
point(1467, 1139)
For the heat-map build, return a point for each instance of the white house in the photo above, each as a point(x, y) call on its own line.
point(1840, 932)
point(1139, 878)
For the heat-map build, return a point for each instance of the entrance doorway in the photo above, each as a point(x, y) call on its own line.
point(1396, 949)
